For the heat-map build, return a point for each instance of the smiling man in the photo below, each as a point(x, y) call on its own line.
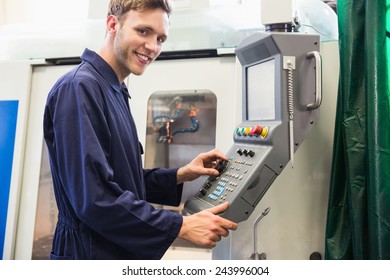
point(102, 191)
point(135, 37)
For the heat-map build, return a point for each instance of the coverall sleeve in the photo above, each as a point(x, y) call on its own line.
point(159, 186)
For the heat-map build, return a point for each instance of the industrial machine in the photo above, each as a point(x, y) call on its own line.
point(281, 100)
point(259, 103)
point(283, 77)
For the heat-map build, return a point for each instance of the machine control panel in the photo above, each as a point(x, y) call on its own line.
point(280, 74)
point(222, 188)
point(239, 167)
point(238, 180)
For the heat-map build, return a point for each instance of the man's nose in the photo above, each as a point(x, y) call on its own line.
point(152, 46)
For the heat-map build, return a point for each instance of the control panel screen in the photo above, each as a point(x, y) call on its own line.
point(261, 91)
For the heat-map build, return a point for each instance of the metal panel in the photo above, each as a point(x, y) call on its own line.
point(8, 118)
point(295, 225)
point(15, 88)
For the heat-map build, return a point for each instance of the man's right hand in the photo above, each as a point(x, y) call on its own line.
point(206, 228)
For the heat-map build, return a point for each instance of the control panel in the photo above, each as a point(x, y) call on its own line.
point(237, 169)
point(281, 98)
point(241, 178)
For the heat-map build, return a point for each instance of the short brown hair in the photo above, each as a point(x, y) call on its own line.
point(120, 7)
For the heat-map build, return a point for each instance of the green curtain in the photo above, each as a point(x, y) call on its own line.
point(358, 223)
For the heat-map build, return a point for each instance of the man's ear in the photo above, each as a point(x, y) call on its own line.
point(112, 24)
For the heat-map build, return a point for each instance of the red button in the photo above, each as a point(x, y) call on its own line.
point(256, 130)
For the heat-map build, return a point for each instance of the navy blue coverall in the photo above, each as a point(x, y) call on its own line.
point(100, 185)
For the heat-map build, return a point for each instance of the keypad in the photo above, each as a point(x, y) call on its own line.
point(219, 189)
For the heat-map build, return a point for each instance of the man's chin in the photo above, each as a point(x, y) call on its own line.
point(138, 72)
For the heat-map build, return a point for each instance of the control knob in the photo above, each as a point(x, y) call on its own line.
point(221, 166)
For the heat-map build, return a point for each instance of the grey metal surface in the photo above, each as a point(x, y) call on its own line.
point(249, 174)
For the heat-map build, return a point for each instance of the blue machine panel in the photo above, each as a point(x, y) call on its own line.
point(8, 118)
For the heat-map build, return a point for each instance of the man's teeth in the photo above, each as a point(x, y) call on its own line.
point(143, 57)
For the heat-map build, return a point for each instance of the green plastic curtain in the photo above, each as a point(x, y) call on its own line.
point(358, 223)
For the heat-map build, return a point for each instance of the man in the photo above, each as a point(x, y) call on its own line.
point(100, 185)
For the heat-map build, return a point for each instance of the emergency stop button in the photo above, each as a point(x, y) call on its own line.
point(256, 130)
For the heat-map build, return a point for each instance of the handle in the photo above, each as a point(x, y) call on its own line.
point(318, 67)
point(262, 215)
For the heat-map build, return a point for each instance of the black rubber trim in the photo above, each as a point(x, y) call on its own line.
point(170, 55)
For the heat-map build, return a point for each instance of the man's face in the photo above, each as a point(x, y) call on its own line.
point(139, 39)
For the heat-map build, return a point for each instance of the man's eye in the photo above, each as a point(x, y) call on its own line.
point(143, 31)
point(161, 40)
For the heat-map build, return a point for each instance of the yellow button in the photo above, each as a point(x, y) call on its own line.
point(264, 132)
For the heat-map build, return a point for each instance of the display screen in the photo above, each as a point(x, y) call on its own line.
point(261, 91)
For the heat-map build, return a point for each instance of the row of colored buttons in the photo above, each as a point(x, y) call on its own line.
point(218, 192)
point(256, 130)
